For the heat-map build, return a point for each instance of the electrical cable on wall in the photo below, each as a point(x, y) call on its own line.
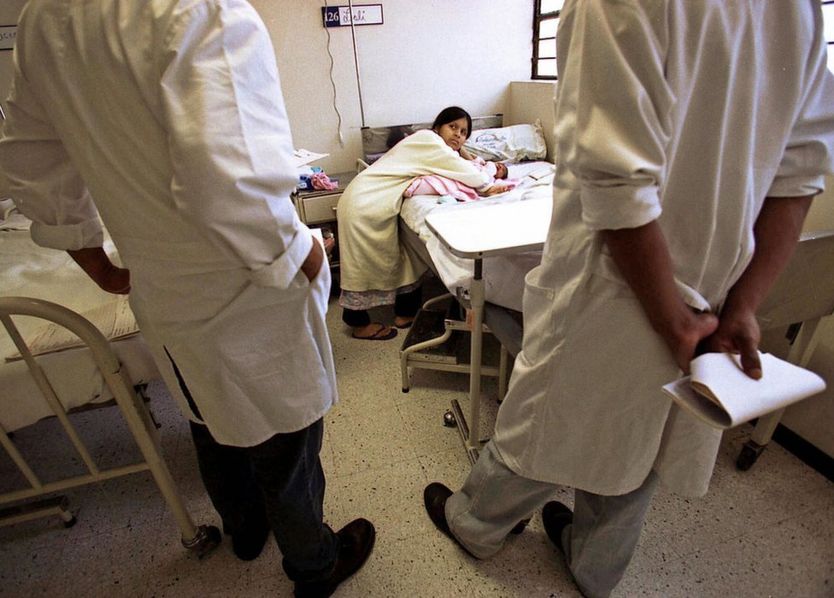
point(356, 68)
point(333, 86)
point(356, 63)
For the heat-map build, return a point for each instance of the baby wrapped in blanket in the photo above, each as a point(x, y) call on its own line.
point(439, 185)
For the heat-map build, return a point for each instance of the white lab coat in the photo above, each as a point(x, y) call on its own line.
point(372, 257)
point(690, 113)
point(170, 112)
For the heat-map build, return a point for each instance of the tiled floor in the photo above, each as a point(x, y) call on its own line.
point(767, 532)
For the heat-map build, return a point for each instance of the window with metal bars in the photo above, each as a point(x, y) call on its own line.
point(545, 23)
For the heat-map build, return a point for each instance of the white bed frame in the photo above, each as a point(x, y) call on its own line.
point(798, 302)
point(500, 229)
point(375, 142)
point(199, 539)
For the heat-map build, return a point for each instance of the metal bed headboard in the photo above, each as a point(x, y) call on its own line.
point(378, 140)
point(200, 539)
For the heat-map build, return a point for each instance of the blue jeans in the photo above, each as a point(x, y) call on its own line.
point(279, 481)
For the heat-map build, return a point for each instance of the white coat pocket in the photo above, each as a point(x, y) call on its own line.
point(539, 330)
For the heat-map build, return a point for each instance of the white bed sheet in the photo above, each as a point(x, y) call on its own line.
point(503, 275)
point(31, 271)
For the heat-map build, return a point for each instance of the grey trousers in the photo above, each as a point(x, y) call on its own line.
point(598, 545)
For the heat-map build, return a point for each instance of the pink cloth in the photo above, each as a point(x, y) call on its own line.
point(322, 181)
point(434, 184)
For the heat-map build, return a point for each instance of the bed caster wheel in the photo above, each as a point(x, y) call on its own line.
point(449, 420)
point(207, 539)
point(70, 522)
point(749, 454)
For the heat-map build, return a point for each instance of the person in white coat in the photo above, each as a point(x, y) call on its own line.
point(692, 138)
point(166, 119)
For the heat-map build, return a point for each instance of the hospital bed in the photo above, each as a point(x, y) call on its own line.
point(507, 231)
point(43, 287)
point(799, 301)
point(486, 275)
point(801, 298)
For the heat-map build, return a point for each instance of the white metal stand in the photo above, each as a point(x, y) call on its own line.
point(803, 296)
point(478, 233)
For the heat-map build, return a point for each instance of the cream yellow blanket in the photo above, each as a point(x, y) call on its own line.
point(371, 255)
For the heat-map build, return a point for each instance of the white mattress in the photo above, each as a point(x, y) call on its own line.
point(31, 271)
point(503, 275)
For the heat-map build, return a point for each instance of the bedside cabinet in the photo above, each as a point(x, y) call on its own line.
point(317, 209)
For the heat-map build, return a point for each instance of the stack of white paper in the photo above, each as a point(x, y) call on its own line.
point(719, 392)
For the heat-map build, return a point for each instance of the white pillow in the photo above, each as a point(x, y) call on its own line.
point(514, 143)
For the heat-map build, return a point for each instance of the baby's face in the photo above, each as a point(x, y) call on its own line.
point(501, 170)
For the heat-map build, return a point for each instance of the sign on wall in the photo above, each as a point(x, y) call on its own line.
point(8, 33)
point(363, 14)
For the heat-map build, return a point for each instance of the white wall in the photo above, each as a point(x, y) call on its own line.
point(427, 55)
point(531, 101)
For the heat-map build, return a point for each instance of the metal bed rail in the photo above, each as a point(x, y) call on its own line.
point(199, 539)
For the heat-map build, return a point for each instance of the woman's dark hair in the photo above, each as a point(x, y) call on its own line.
point(450, 114)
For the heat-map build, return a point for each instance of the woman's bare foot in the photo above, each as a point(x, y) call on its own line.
point(403, 322)
point(374, 332)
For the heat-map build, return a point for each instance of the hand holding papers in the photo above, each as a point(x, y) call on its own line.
point(721, 394)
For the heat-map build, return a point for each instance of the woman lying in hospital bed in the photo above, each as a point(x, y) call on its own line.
point(375, 268)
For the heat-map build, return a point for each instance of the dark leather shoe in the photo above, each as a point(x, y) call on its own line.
point(556, 517)
point(435, 496)
point(356, 541)
point(248, 543)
